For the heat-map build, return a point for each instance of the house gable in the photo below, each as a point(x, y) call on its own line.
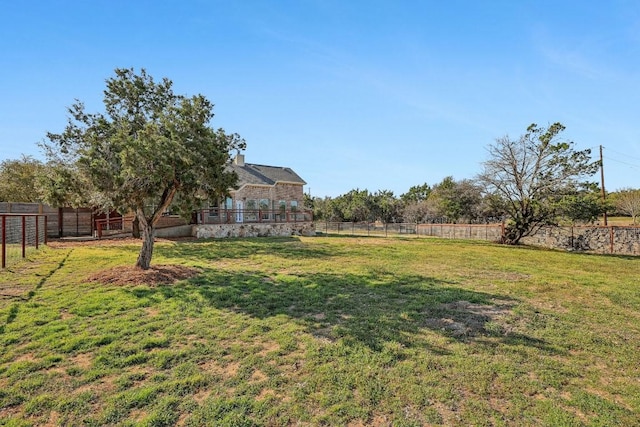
point(274, 185)
point(255, 174)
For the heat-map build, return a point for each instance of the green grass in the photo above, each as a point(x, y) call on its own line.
point(619, 221)
point(324, 331)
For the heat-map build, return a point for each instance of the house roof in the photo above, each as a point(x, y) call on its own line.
point(250, 173)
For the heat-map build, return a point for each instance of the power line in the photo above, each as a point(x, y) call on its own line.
point(631, 165)
point(626, 155)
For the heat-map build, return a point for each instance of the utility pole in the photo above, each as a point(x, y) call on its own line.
point(604, 194)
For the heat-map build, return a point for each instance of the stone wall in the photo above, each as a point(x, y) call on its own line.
point(598, 239)
point(206, 231)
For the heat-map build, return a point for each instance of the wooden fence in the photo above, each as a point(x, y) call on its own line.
point(61, 222)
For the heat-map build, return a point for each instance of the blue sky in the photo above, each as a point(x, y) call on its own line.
point(372, 94)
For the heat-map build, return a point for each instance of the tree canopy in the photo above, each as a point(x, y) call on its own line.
point(531, 174)
point(148, 149)
point(19, 180)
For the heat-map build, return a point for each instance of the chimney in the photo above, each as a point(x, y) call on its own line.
point(239, 159)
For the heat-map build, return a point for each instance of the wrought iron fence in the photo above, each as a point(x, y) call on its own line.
point(237, 216)
point(490, 232)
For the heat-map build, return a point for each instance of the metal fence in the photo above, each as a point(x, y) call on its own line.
point(20, 235)
point(241, 216)
point(489, 232)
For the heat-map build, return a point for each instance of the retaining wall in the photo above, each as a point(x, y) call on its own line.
point(598, 239)
point(205, 231)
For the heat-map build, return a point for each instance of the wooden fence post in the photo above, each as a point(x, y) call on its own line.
point(4, 241)
point(37, 233)
point(24, 235)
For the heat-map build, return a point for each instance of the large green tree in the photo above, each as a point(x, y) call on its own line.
point(149, 148)
point(455, 200)
point(531, 174)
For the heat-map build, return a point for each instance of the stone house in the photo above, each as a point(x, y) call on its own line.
point(263, 194)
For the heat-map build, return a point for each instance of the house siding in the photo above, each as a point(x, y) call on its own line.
point(275, 193)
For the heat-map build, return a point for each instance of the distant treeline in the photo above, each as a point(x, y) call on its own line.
point(464, 201)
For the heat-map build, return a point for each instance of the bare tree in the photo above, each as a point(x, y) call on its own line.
point(531, 174)
point(628, 202)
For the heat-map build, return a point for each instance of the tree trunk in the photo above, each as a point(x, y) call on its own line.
point(148, 226)
point(135, 227)
point(146, 251)
point(513, 233)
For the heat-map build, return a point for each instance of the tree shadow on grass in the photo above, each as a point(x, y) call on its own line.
point(371, 309)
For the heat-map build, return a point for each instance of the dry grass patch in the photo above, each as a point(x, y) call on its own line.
point(462, 318)
point(257, 376)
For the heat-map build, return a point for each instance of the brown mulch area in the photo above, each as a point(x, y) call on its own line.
point(130, 275)
point(155, 275)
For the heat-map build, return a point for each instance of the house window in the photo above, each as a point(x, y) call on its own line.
point(294, 205)
point(264, 208)
point(251, 210)
point(214, 208)
point(229, 203)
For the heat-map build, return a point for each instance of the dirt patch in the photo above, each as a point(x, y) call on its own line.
point(12, 291)
point(54, 419)
point(152, 311)
point(463, 318)
point(228, 370)
point(81, 360)
point(27, 357)
point(376, 421)
point(268, 348)
point(137, 415)
point(201, 396)
point(155, 275)
point(257, 376)
point(231, 369)
point(265, 393)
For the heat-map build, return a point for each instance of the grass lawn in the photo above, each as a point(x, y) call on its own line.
point(323, 331)
point(622, 221)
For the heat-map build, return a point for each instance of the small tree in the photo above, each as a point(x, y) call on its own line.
point(148, 147)
point(531, 174)
point(628, 202)
point(582, 207)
